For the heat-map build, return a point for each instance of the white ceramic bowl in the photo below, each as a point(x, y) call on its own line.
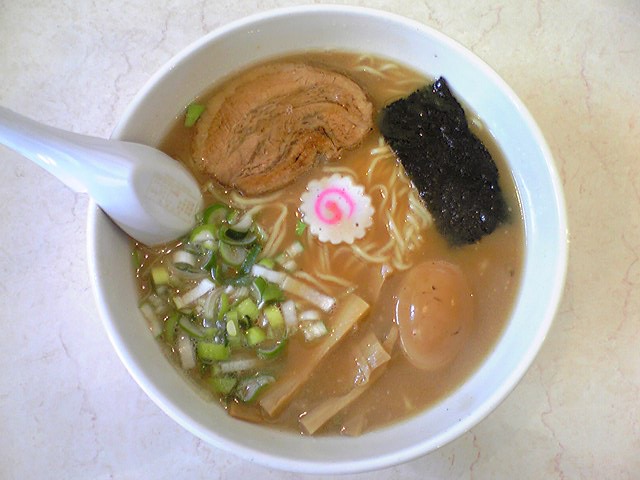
point(235, 45)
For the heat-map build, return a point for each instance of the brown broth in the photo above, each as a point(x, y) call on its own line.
point(492, 267)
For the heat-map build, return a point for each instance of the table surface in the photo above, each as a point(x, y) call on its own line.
point(69, 409)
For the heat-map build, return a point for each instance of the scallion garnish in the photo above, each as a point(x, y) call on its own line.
point(222, 308)
point(300, 228)
point(194, 110)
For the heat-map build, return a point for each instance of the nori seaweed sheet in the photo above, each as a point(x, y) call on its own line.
point(453, 171)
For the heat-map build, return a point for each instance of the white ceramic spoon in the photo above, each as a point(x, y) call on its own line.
point(148, 194)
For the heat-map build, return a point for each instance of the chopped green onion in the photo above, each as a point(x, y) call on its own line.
point(204, 235)
point(274, 316)
point(136, 258)
point(268, 263)
point(248, 308)
point(281, 258)
point(223, 385)
point(170, 325)
point(300, 227)
point(314, 329)
point(219, 270)
point(186, 353)
point(309, 315)
point(232, 216)
point(188, 326)
point(212, 352)
point(272, 350)
point(248, 389)
point(194, 110)
point(204, 287)
point(260, 284)
point(237, 342)
point(240, 279)
point(231, 314)
point(210, 306)
point(289, 314)
point(184, 260)
point(250, 260)
point(268, 274)
point(243, 224)
point(232, 326)
point(232, 236)
point(160, 275)
point(234, 255)
point(215, 214)
point(244, 322)
point(156, 302)
point(295, 249)
point(150, 315)
point(255, 335)
point(212, 261)
point(239, 364)
point(223, 307)
point(209, 332)
point(290, 265)
point(261, 233)
point(272, 293)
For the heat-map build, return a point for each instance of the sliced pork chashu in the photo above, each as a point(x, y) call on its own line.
point(277, 124)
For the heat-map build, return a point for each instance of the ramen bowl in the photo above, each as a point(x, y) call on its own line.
point(293, 30)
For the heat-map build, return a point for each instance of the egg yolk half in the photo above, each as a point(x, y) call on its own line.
point(434, 313)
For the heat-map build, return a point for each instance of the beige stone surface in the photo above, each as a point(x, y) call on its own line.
point(68, 408)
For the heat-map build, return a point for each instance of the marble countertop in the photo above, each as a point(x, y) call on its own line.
point(69, 409)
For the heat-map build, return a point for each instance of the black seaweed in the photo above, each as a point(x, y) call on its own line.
point(453, 171)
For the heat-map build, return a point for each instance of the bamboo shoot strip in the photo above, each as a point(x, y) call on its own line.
point(391, 338)
point(356, 423)
point(300, 289)
point(370, 356)
point(317, 417)
point(252, 415)
point(348, 312)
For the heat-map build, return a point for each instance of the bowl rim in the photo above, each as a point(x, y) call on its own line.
point(395, 457)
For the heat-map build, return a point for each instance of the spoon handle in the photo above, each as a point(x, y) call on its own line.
point(57, 151)
point(147, 193)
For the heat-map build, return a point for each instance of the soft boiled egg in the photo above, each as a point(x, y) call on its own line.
point(434, 313)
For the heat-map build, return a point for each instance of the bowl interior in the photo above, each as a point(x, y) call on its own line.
point(293, 30)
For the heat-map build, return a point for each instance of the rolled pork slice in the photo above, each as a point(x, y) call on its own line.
point(276, 125)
